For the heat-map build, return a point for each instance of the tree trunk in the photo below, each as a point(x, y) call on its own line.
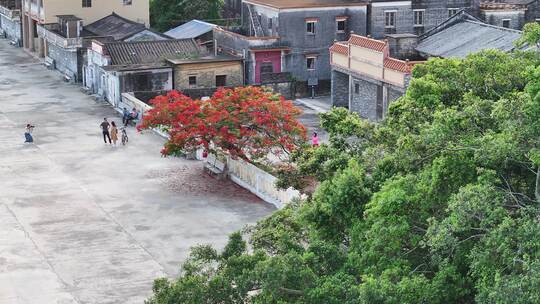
point(537, 188)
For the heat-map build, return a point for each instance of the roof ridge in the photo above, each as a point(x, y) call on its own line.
point(118, 16)
point(150, 41)
point(367, 42)
point(495, 26)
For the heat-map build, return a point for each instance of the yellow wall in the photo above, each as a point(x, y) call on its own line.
point(206, 74)
point(367, 55)
point(340, 59)
point(394, 77)
point(138, 11)
point(367, 69)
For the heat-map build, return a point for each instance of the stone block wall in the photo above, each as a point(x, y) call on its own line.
point(206, 74)
point(373, 97)
point(12, 28)
point(364, 102)
point(517, 18)
point(340, 89)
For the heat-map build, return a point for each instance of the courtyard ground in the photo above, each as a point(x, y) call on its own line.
point(84, 222)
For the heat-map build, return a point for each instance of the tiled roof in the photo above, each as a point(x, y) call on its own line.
point(150, 52)
point(287, 4)
point(398, 65)
point(116, 26)
point(369, 43)
point(466, 37)
point(339, 48)
point(191, 29)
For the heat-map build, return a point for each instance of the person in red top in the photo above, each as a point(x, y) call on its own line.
point(315, 139)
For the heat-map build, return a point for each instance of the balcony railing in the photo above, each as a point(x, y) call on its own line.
point(10, 13)
point(51, 33)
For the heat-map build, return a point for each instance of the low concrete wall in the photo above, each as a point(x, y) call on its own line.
point(257, 181)
point(129, 101)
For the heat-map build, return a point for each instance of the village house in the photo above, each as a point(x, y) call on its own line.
point(199, 30)
point(291, 38)
point(201, 76)
point(10, 20)
point(65, 41)
point(39, 12)
point(367, 76)
point(412, 17)
point(114, 68)
point(510, 13)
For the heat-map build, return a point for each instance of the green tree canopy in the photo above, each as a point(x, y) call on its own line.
point(438, 203)
point(166, 14)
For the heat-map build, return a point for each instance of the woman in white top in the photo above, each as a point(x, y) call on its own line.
point(28, 133)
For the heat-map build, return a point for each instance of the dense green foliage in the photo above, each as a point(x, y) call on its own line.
point(439, 203)
point(166, 14)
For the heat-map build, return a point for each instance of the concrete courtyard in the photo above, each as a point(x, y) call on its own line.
point(84, 222)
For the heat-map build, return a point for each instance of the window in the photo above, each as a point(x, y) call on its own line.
point(269, 23)
point(340, 24)
point(86, 3)
point(356, 88)
point(221, 80)
point(418, 17)
point(310, 27)
point(127, 2)
point(390, 19)
point(267, 67)
point(310, 63)
point(192, 80)
point(506, 23)
point(452, 12)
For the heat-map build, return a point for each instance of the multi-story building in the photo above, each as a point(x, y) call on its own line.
point(293, 37)
point(65, 41)
point(510, 13)
point(368, 74)
point(10, 20)
point(37, 12)
point(414, 16)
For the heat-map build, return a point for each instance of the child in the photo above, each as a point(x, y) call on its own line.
point(315, 139)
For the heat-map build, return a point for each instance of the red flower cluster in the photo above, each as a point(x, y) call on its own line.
point(245, 122)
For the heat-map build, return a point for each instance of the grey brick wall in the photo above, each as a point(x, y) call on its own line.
point(365, 102)
point(65, 61)
point(394, 94)
point(12, 28)
point(403, 22)
point(517, 18)
point(340, 89)
point(292, 30)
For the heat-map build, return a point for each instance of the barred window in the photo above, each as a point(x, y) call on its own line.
point(86, 3)
point(418, 17)
point(390, 19)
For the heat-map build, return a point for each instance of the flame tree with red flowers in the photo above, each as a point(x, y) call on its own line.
point(245, 122)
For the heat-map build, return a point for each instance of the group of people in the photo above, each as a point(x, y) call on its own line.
point(110, 131)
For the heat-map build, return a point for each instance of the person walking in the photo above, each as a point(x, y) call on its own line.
point(28, 133)
point(315, 139)
point(105, 129)
point(114, 132)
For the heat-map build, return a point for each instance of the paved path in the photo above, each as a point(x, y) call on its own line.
point(84, 222)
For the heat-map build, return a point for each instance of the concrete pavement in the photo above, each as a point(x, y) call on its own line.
point(84, 222)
